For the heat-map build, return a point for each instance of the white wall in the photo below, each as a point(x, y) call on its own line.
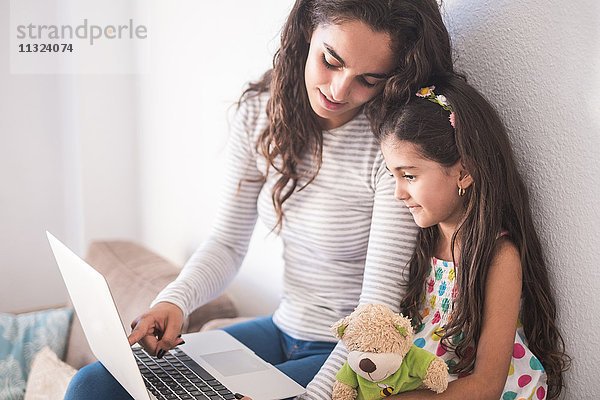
point(30, 173)
point(538, 62)
point(68, 164)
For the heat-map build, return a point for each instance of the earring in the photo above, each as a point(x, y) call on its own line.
point(461, 191)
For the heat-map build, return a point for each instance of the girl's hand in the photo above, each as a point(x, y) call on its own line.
point(158, 329)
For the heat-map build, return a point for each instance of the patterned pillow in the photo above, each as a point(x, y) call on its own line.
point(21, 338)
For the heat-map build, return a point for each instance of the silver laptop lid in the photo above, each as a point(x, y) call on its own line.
point(99, 318)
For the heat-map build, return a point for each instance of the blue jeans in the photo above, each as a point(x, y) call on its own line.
point(298, 359)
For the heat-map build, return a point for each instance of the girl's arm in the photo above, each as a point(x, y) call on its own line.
point(391, 244)
point(494, 352)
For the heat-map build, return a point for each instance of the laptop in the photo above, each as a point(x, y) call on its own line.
point(210, 365)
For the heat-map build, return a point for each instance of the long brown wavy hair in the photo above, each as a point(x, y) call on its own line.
point(497, 201)
point(422, 48)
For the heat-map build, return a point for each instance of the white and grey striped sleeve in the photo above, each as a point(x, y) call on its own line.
point(215, 263)
point(391, 244)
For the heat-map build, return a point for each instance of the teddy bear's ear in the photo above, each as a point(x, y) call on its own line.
point(403, 325)
point(402, 330)
point(339, 327)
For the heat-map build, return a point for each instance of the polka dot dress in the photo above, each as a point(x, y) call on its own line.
point(526, 377)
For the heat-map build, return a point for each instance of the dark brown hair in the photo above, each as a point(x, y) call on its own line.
point(422, 47)
point(496, 201)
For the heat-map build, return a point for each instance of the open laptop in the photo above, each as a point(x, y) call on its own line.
point(210, 365)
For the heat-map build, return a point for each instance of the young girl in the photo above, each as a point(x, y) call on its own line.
point(478, 288)
point(302, 156)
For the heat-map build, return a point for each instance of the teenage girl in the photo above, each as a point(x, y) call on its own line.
point(478, 288)
point(303, 158)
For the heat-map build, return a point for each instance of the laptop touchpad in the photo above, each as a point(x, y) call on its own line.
point(234, 362)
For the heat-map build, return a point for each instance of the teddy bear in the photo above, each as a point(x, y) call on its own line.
point(382, 359)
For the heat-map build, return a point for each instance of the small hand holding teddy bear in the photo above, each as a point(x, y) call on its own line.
point(382, 359)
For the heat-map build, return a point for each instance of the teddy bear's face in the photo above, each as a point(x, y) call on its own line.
point(377, 340)
point(374, 367)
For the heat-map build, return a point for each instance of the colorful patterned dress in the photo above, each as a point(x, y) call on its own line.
point(526, 377)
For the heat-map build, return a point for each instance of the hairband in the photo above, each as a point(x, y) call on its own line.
point(427, 93)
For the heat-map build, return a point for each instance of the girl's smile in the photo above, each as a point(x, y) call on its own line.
point(413, 209)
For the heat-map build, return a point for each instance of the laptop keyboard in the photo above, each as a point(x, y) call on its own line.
point(177, 376)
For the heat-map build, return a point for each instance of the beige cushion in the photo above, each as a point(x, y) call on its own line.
point(135, 275)
point(49, 377)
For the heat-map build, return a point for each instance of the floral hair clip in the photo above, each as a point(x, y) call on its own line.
point(427, 93)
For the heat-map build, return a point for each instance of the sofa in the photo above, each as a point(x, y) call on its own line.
point(135, 275)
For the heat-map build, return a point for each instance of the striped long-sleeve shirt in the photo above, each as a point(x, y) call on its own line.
point(346, 239)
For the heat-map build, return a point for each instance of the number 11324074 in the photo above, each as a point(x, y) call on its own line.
point(45, 48)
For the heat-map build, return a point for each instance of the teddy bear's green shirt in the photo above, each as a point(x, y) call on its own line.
point(409, 376)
